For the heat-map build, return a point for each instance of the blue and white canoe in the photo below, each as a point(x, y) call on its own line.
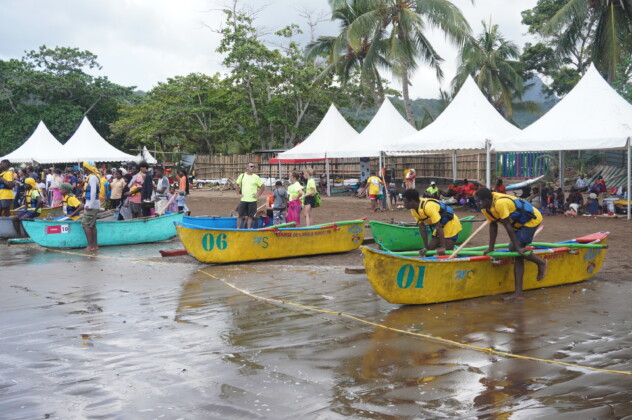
point(220, 222)
point(70, 234)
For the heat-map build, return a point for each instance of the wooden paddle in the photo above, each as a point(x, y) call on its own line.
point(162, 211)
point(465, 242)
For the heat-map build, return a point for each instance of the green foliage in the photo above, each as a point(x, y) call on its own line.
point(51, 85)
point(623, 82)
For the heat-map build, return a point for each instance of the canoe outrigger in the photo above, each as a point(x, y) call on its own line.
point(404, 278)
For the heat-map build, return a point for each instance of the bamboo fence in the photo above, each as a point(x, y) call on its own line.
point(432, 167)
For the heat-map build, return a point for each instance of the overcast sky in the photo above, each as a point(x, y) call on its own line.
point(142, 42)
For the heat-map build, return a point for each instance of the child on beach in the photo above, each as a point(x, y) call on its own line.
point(280, 203)
point(173, 204)
point(180, 199)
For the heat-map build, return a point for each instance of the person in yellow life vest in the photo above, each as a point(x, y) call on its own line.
point(71, 204)
point(521, 221)
point(32, 204)
point(373, 184)
point(432, 191)
point(7, 183)
point(439, 216)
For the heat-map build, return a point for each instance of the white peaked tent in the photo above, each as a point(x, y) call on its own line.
point(87, 144)
point(469, 122)
point(591, 116)
point(146, 156)
point(41, 147)
point(387, 126)
point(332, 131)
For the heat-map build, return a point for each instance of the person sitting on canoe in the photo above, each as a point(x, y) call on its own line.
point(71, 204)
point(520, 220)
point(32, 204)
point(428, 211)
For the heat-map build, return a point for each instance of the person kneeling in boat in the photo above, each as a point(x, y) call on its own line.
point(71, 204)
point(32, 204)
point(444, 223)
point(521, 221)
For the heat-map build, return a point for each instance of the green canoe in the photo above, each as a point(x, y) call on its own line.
point(393, 237)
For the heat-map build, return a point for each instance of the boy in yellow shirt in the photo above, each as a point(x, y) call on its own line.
point(7, 183)
point(520, 220)
point(373, 184)
point(445, 224)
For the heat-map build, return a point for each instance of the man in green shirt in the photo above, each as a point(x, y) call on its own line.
point(249, 187)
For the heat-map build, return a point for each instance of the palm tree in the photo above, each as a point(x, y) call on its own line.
point(403, 24)
point(347, 53)
point(612, 32)
point(492, 61)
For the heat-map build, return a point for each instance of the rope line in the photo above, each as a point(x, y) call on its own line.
point(487, 350)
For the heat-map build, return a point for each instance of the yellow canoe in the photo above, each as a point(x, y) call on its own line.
point(46, 212)
point(414, 280)
point(235, 245)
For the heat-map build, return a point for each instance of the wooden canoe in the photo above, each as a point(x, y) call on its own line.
point(235, 245)
point(70, 234)
point(218, 222)
point(413, 280)
point(46, 212)
point(392, 237)
point(6, 228)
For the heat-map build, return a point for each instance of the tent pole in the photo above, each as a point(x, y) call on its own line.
point(561, 170)
point(629, 161)
point(488, 153)
point(454, 168)
point(280, 176)
point(327, 172)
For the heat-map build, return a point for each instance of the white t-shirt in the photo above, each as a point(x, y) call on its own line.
point(49, 181)
point(93, 203)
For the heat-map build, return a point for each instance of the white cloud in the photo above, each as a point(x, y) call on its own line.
point(142, 42)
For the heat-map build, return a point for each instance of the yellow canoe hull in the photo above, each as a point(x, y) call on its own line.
point(410, 280)
point(46, 212)
point(236, 245)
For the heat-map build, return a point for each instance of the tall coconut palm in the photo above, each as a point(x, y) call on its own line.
point(404, 23)
point(492, 61)
point(612, 34)
point(361, 52)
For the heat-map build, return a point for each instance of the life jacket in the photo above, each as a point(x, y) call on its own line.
point(522, 215)
point(446, 212)
point(30, 201)
point(64, 203)
point(89, 189)
point(2, 186)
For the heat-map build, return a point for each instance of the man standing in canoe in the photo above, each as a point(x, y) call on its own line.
point(91, 207)
point(520, 220)
point(249, 187)
point(428, 211)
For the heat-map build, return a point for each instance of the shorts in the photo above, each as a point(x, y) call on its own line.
point(373, 196)
point(5, 204)
point(310, 200)
point(524, 236)
point(28, 214)
point(247, 209)
point(89, 217)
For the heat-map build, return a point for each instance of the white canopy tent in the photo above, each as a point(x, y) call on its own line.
point(146, 156)
point(87, 144)
point(332, 131)
point(41, 147)
point(469, 122)
point(592, 116)
point(387, 126)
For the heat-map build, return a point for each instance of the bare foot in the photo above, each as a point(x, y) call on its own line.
point(92, 249)
point(515, 296)
point(542, 269)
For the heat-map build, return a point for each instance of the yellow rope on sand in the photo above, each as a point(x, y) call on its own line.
point(365, 321)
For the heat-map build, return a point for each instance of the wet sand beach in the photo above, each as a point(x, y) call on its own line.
point(130, 334)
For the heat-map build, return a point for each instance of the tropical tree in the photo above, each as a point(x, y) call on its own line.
point(492, 61)
point(360, 50)
point(404, 24)
point(606, 26)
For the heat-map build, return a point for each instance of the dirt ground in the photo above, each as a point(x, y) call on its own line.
point(337, 208)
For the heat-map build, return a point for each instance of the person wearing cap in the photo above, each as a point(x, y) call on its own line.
point(71, 204)
point(432, 191)
point(7, 182)
point(92, 206)
point(32, 204)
